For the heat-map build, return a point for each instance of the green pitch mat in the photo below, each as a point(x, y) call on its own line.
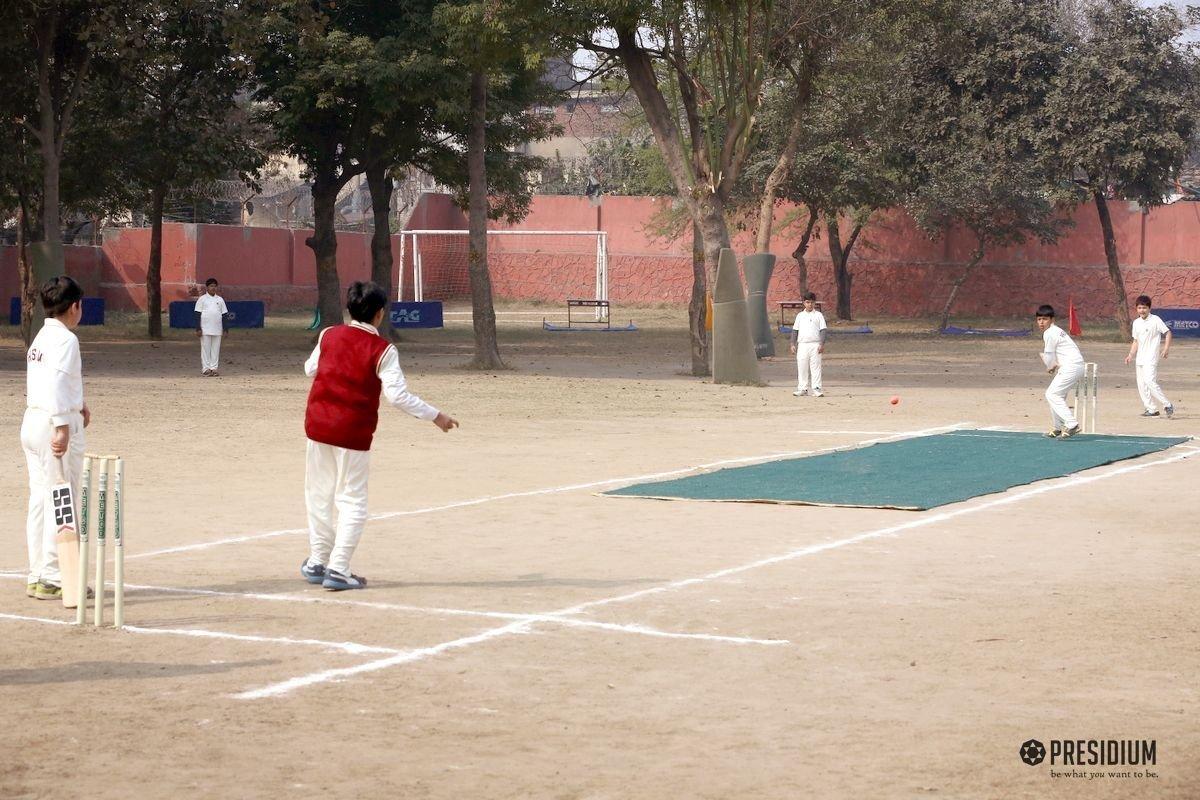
point(913, 474)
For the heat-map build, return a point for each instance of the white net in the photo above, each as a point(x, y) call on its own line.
point(525, 266)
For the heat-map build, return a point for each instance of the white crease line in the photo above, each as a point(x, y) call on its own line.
point(523, 627)
point(407, 657)
point(353, 648)
point(556, 490)
point(459, 612)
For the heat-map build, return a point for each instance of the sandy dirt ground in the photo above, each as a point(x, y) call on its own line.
point(523, 637)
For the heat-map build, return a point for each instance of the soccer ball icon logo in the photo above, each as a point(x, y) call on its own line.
point(1032, 752)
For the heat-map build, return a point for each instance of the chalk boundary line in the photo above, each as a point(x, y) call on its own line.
point(520, 627)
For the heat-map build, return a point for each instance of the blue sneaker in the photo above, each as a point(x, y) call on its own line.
point(337, 582)
point(313, 573)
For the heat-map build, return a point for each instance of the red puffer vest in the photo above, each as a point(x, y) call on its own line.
point(343, 404)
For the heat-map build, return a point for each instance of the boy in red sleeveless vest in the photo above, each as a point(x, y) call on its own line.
point(351, 366)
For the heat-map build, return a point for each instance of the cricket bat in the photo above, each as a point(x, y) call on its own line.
point(62, 500)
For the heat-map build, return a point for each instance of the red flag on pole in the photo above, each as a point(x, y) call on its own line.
point(1073, 327)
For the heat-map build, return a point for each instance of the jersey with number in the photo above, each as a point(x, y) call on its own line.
point(1148, 334)
point(54, 375)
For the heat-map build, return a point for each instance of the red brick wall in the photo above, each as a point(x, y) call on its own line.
point(898, 271)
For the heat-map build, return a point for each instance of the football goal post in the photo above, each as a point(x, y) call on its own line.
point(530, 266)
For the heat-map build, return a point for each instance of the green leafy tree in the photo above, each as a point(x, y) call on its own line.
point(180, 124)
point(500, 46)
point(697, 68)
point(317, 77)
point(49, 54)
point(1123, 113)
point(978, 94)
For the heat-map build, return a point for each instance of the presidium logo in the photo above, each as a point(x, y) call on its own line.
point(1119, 753)
point(1032, 752)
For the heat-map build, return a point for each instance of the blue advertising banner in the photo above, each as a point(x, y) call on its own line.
point(93, 311)
point(243, 313)
point(1181, 321)
point(426, 314)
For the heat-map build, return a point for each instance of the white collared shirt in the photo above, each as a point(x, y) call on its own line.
point(1149, 332)
point(395, 387)
point(54, 376)
point(808, 326)
point(1059, 348)
point(211, 308)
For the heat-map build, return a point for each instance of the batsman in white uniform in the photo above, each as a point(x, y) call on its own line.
point(1151, 340)
point(55, 416)
point(808, 343)
point(1063, 360)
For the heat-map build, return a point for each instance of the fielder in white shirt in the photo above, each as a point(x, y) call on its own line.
point(1063, 360)
point(1149, 332)
point(211, 316)
point(808, 343)
point(55, 416)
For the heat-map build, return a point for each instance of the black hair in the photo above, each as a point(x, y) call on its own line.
point(212, 282)
point(1143, 300)
point(59, 294)
point(1045, 311)
point(363, 301)
point(810, 296)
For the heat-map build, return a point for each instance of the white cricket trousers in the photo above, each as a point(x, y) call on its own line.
point(1148, 388)
point(210, 352)
point(40, 531)
point(808, 366)
point(1056, 395)
point(335, 479)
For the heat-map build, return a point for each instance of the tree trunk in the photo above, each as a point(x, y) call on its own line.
point(766, 205)
point(802, 250)
point(1121, 310)
point(47, 254)
point(698, 308)
point(483, 313)
point(976, 257)
point(841, 271)
point(323, 243)
point(25, 276)
point(379, 183)
point(154, 269)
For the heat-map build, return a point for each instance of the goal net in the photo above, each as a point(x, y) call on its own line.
point(525, 266)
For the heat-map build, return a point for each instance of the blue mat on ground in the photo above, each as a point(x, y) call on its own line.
point(93, 311)
point(913, 474)
point(243, 313)
point(951, 330)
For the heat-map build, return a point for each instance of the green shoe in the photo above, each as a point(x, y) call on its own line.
point(47, 591)
point(31, 589)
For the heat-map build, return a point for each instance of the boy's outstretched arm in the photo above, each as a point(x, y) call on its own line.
point(395, 389)
point(1166, 343)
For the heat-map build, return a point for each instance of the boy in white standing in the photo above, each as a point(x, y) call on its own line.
point(350, 366)
point(808, 343)
point(55, 416)
point(211, 316)
point(1063, 360)
point(1149, 331)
